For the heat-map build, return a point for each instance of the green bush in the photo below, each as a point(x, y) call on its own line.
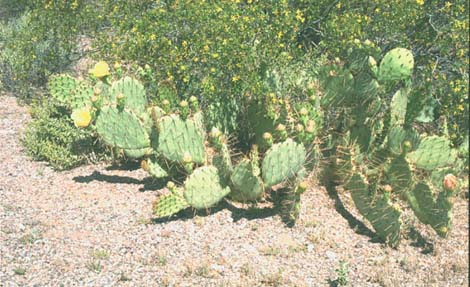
point(218, 51)
point(52, 137)
point(40, 41)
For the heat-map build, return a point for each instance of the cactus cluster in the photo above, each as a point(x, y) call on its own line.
point(383, 161)
point(172, 143)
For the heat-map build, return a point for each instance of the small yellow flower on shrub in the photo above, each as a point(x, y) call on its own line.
point(81, 118)
point(101, 70)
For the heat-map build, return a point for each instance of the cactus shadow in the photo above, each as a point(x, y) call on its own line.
point(128, 165)
point(148, 182)
point(358, 226)
point(418, 240)
point(188, 214)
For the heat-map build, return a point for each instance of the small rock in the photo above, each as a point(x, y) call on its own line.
point(331, 255)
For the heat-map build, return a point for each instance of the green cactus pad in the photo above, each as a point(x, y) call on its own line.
point(396, 138)
point(61, 88)
point(155, 169)
point(398, 108)
point(247, 186)
point(282, 161)
point(223, 161)
point(338, 85)
point(377, 209)
point(397, 64)
point(178, 137)
point(121, 129)
point(433, 152)
point(168, 205)
point(133, 91)
point(203, 188)
point(70, 92)
point(435, 212)
point(399, 175)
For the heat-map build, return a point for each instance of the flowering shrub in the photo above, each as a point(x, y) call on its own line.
point(216, 50)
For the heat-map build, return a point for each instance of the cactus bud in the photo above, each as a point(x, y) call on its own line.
point(280, 128)
point(372, 62)
point(183, 104)
point(388, 188)
point(267, 136)
point(299, 128)
point(215, 132)
point(120, 96)
point(302, 187)
point(303, 112)
point(310, 129)
point(192, 99)
point(97, 91)
point(187, 158)
point(406, 146)
point(450, 182)
point(165, 103)
point(144, 165)
point(170, 185)
point(94, 99)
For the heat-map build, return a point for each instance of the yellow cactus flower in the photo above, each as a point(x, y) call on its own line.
point(101, 70)
point(81, 118)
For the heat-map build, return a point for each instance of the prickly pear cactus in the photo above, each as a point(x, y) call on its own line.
point(437, 212)
point(433, 152)
point(169, 204)
point(246, 185)
point(203, 188)
point(122, 129)
point(70, 92)
point(179, 138)
point(152, 166)
point(377, 209)
point(283, 161)
point(397, 64)
point(132, 93)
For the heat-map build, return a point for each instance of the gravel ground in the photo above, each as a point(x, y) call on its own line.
point(93, 226)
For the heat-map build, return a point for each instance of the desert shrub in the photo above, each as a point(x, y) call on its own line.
point(216, 50)
point(40, 41)
point(52, 137)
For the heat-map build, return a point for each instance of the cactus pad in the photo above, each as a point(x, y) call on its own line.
point(203, 188)
point(178, 137)
point(282, 161)
point(168, 205)
point(397, 64)
point(384, 217)
point(247, 186)
point(397, 137)
point(433, 152)
point(398, 108)
point(121, 129)
point(399, 174)
point(435, 212)
point(133, 92)
point(154, 168)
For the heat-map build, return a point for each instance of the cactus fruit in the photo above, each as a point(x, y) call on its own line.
point(169, 204)
point(450, 182)
point(377, 209)
point(397, 64)
point(282, 161)
point(131, 92)
point(433, 152)
point(178, 137)
point(435, 212)
point(203, 188)
point(121, 129)
point(246, 185)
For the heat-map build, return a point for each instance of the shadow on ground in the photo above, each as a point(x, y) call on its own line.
point(148, 182)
